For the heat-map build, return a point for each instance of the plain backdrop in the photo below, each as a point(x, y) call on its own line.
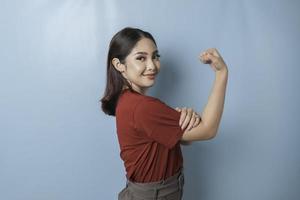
point(57, 144)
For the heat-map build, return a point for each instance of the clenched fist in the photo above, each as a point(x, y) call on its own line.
point(212, 56)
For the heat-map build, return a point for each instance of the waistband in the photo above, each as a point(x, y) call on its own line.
point(158, 188)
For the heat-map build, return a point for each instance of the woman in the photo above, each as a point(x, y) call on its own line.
point(149, 131)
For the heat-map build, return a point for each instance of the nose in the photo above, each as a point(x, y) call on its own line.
point(151, 65)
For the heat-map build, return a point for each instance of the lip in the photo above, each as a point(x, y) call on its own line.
point(150, 76)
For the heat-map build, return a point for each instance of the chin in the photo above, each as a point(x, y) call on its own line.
point(148, 85)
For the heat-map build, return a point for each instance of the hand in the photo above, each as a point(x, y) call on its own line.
point(212, 56)
point(188, 117)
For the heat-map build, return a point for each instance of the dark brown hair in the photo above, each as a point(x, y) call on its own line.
point(120, 46)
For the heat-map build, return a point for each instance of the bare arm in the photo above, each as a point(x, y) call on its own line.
point(213, 110)
point(212, 113)
point(188, 119)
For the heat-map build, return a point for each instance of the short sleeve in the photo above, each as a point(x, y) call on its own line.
point(159, 121)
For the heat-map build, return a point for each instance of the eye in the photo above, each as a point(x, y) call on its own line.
point(140, 58)
point(157, 56)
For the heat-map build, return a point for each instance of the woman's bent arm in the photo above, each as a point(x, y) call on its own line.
point(212, 113)
point(213, 110)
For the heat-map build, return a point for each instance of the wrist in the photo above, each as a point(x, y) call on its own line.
point(222, 72)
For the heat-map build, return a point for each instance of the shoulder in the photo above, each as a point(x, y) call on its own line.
point(142, 104)
point(148, 102)
point(151, 106)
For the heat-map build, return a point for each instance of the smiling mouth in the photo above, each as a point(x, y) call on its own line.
point(149, 74)
point(152, 77)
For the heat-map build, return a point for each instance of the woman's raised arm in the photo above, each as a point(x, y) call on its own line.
point(212, 113)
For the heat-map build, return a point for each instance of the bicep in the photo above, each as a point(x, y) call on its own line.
point(200, 132)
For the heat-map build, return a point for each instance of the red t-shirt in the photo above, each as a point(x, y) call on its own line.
point(149, 137)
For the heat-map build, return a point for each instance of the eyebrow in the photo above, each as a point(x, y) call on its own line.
point(145, 53)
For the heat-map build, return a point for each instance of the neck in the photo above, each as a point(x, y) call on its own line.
point(141, 91)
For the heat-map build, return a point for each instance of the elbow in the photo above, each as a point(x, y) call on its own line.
point(210, 129)
point(212, 133)
point(210, 137)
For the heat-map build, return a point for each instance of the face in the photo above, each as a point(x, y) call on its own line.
point(142, 61)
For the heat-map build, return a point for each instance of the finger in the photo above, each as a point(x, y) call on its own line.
point(192, 121)
point(208, 58)
point(213, 61)
point(213, 51)
point(197, 115)
point(197, 122)
point(211, 57)
point(203, 57)
point(187, 118)
point(182, 116)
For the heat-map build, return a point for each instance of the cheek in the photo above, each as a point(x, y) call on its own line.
point(158, 66)
point(135, 66)
point(139, 68)
point(136, 71)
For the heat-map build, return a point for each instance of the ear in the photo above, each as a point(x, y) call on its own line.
point(118, 65)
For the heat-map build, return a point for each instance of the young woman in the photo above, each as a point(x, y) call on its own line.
point(149, 131)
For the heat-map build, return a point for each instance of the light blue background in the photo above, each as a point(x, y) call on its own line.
point(56, 143)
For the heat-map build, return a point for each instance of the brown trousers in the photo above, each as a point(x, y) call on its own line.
point(168, 189)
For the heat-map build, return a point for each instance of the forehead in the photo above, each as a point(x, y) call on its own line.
point(144, 45)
